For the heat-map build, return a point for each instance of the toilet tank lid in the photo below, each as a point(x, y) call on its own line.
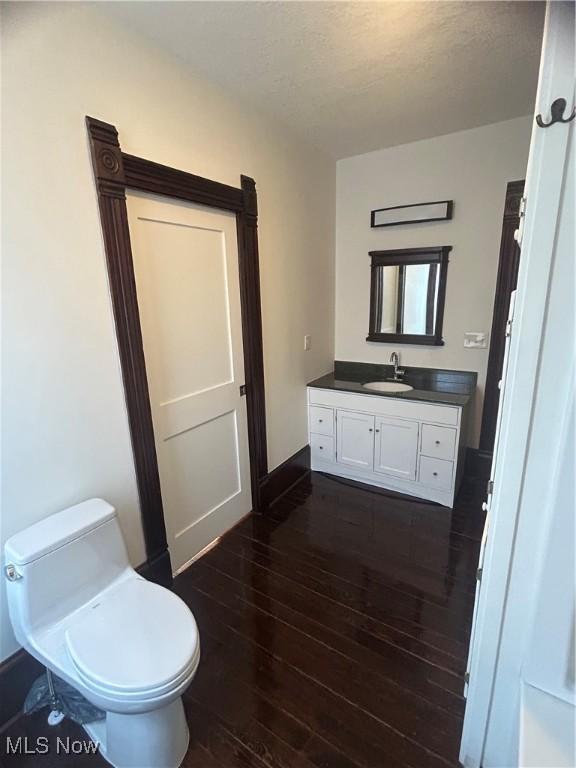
point(56, 530)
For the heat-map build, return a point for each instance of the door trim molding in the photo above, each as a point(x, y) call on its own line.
point(508, 262)
point(114, 173)
point(477, 464)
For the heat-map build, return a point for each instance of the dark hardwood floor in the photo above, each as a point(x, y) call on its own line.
point(334, 633)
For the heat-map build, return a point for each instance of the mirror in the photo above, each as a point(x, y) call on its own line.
point(407, 294)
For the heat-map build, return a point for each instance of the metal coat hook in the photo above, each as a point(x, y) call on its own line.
point(557, 112)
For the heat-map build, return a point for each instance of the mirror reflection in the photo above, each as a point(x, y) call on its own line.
point(406, 298)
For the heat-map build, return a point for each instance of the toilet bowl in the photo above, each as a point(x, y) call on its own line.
point(127, 645)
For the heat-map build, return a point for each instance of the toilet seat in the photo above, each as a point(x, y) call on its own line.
point(135, 641)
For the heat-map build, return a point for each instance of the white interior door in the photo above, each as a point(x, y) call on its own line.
point(355, 439)
point(533, 408)
point(186, 269)
point(396, 447)
point(487, 504)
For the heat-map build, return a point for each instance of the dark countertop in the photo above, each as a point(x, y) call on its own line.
point(329, 381)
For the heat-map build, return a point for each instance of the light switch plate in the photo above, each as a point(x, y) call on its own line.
point(307, 342)
point(475, 340)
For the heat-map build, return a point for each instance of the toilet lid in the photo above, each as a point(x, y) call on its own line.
point(137, 636)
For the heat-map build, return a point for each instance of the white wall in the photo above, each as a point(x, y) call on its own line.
point(65, 432)
point(470, 167)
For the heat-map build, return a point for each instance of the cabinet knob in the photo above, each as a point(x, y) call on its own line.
point(377, 430)
point(320, 421)
point(437, 442)
point(321, 447)
point(435, 474)
point(370, 430)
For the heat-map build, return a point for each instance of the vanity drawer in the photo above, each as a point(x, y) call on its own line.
point(436, 473)
point(321, 420)
point(439, 442)
point(322, 448)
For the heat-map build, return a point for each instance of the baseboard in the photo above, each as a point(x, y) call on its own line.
point(478, 464)
point(17, 673)
point(286, 475)
point(158, 570)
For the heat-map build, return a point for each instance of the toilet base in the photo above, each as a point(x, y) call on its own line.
point(155, 739)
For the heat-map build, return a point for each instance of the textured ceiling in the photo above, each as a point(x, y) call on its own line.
point(351, 77)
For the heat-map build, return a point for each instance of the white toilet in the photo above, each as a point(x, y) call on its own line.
point(129, 646)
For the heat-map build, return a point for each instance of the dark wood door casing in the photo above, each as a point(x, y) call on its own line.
point(508, 264)
point(115, 172)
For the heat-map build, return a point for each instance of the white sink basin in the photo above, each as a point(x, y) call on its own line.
point(387, 386)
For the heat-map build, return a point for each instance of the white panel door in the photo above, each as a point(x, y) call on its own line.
point(186, 268)
point(355, 439)
point(396, 447)
point(488, 503)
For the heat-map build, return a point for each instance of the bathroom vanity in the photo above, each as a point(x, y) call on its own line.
point(411, 441)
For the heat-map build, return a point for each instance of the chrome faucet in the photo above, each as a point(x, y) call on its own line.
point(398, 372)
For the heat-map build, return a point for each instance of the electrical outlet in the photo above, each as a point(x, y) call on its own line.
point(475, 340)
point(307, 342)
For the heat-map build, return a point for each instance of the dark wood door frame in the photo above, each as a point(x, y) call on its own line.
point(115, 172)
point(505, 283)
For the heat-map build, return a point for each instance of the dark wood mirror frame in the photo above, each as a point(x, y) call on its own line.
point(437, 255)
point(115, 172)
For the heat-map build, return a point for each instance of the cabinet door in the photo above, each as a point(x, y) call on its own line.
point(355, 440)
point(396, 447)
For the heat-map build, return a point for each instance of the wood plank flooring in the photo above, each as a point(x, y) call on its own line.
point(334, 633)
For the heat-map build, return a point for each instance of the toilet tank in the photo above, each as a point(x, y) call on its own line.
point(57, 565)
